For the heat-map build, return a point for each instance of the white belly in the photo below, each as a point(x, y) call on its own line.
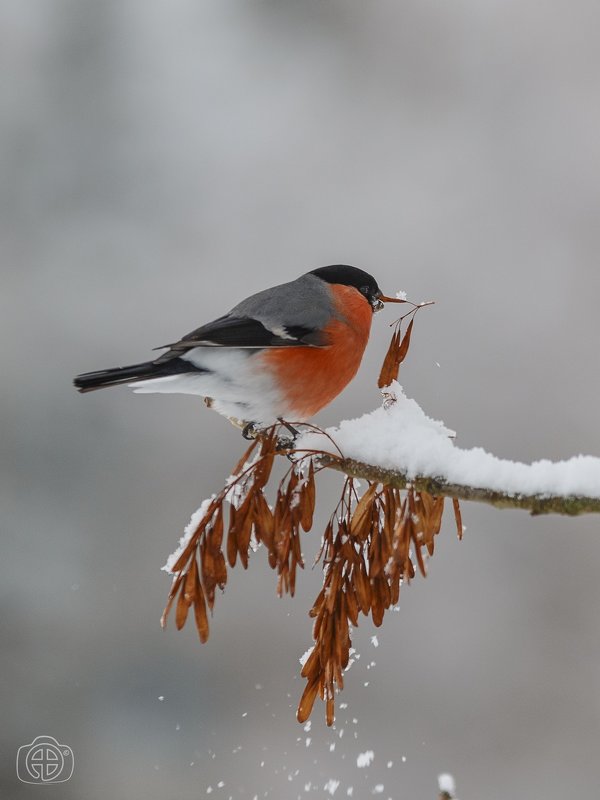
point(235, 382)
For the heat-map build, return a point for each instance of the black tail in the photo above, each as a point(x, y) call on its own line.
point(90, 381)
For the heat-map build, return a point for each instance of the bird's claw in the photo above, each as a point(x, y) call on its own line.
point(250, 431)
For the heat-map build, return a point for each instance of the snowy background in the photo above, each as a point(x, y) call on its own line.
point(159, 162)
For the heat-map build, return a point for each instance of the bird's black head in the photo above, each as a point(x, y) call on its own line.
point(352, 276)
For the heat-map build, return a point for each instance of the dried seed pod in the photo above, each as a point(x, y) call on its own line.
point(177, 581)
point(191, 580)
point(216, 534)
point(183, 606)
point(362, 587)
point(312, 665)
point(263, 519)
point(282, 582)
point(318, 604)
point(395, 356)
point(342, 636)
point(457, 517)
point(264, 465)
point(200, 614)
point(332, 589)
point(309, 498)
point(389, 371)
point(208, 565)
point(292, 579)
point(390, 513)
point(232, 547)
point(429, 509)
point(404, 345)
point(307, 508)
point(420, 560)
point(281, 516)
point(318, 624)
point(307, 700)
point(192, 543)
point(283, 546)
point(220, 570)
point(351, 602)
point(330, 708)
point(378, 600)
point(243, 534)
point(183, 559)
point(394, 585)
point(326, 542)
point(362, 512)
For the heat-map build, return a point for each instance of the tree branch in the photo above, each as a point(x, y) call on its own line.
point(536, 504)
point(569, 505)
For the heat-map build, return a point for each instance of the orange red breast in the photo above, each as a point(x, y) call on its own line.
point(311, 377)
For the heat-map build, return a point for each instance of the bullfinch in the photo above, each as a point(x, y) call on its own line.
point(281, 354)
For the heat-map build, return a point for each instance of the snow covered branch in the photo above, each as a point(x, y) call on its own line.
point(398, 445)
point(571, 505)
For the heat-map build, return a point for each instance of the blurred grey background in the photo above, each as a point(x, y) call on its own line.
point(159, 162)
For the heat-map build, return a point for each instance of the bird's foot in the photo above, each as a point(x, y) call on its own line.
point(250, 431)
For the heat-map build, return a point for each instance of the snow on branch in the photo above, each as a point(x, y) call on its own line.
point(398, 445)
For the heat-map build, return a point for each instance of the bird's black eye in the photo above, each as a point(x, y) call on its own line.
point(366, 290)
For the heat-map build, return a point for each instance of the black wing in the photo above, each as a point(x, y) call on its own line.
point(247, 333)
point(224, 332)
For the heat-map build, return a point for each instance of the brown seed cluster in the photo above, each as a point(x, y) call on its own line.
point(399, 345)
point(201, 567)
point(395, 355)
point(372, 543)
point(368, 551)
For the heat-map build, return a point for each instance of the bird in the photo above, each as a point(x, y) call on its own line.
point(281, 354)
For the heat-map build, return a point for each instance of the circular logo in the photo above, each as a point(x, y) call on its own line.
point(45, 762)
